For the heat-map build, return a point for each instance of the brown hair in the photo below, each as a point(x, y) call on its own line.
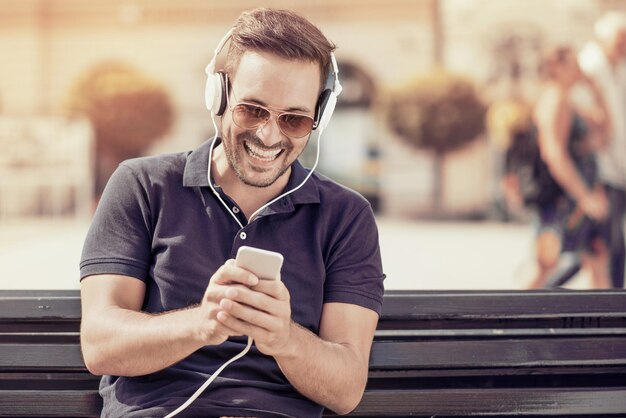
point(552, 58)
point(281, 32)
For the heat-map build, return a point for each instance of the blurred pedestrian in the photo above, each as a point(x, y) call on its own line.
point(572, 215)
point(603, 61)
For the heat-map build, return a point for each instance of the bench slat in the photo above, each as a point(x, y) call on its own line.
point(61, 403)
point(498, 353)
point(399, 304)
point(484, 402)
point(24, 308)
point(41, 357)
point(388, 355)
point(503, 304)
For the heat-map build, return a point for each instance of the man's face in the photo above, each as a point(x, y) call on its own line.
point(260, 156)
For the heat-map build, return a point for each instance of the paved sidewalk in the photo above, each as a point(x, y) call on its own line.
point(44, 254)
point(469, 255)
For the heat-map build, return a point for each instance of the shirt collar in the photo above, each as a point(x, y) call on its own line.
point(195, 175)
point(196, 166)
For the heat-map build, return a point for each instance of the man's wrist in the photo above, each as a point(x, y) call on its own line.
point(191, 329)
point(292, 347)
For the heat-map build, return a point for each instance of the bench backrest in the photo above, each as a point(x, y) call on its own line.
point(435, 353)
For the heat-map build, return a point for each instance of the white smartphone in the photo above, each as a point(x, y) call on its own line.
point(262, 263)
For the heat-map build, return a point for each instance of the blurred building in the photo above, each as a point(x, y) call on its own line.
point(45, 167)
point(46, 45)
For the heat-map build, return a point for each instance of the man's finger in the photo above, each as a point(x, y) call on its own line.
point(229, 273)
point(273, 288)
point(247, 314)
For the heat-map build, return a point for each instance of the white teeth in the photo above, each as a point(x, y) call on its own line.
point(260, 153)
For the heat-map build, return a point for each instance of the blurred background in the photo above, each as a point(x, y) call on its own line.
point(431, 90)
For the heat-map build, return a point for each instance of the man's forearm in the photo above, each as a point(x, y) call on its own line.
point(124, 342)
point(330, 374)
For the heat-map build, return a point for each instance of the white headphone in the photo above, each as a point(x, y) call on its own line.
point(215, 99)
point(216, 90)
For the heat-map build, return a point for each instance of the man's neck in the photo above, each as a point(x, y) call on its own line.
point(248, 198)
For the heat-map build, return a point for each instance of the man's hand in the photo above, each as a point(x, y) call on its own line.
point(226, 279)
point(261, 311)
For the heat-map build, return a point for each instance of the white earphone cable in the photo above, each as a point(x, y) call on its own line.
point(209, 381)
point(317, 158)
point(247, 348)
point(228, 209)
point(210, 69)
point(256, 212)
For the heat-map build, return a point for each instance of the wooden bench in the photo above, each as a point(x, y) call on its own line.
point(465, 353)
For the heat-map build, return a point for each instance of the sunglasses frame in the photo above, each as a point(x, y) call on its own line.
point(277, 113)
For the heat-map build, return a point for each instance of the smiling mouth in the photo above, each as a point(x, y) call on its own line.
point(265, 155)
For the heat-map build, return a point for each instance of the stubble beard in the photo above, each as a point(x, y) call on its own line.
point(236, 163)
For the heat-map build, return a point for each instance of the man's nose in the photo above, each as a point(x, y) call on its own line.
point(269, 132)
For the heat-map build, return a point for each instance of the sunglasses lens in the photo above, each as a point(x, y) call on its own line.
point(249, 116)
point(295, 126)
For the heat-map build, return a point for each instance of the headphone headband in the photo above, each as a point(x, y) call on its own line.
point(215, 91)
point(210, 68)
point(337, 88)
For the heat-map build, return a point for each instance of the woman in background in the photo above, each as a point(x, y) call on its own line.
point(573, 218)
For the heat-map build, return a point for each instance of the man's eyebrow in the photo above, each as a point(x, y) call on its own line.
point(298, 109)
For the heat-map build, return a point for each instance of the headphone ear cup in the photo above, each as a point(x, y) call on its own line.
point(325, 109)
point(320, 108)
point(215, 93)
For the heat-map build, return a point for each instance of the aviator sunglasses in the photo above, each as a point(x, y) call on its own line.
point(253, 116)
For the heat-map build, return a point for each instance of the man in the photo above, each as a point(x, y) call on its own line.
point(603, 61)
point(164, 305)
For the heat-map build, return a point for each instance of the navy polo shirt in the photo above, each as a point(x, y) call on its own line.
point(159, 222)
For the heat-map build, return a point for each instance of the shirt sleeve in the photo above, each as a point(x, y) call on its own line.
point(354, 271)
point(119, 238)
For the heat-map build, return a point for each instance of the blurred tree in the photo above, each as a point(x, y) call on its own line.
point(128, 112)
point(440, 112)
